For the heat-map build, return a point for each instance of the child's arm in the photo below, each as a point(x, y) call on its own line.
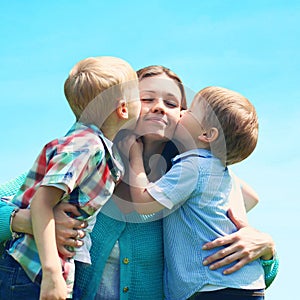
point(170, 191)
point(144, 203)
point(43, 225)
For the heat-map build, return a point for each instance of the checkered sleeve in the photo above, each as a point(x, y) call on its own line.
point(68, 167)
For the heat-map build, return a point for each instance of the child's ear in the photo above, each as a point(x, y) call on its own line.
point(122, 110)
point(209, 135)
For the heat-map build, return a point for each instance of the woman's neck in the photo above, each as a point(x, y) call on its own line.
point(152, 157)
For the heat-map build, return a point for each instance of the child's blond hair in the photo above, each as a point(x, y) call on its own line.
point(91, 76)
point(236, 120)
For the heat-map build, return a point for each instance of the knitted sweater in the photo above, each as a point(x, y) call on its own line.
point(8, 189)
point(141, 259)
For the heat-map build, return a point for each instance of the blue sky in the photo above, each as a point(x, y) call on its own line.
point(252, 47)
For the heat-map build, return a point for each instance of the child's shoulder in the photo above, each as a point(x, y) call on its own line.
point(80, 140)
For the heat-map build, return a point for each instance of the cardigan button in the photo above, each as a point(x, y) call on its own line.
point(126, 261)
point(125, 289)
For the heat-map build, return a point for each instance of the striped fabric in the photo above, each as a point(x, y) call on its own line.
point(200, 185)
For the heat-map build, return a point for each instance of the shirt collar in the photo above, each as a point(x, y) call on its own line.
point(198, 152)
point(82, 126)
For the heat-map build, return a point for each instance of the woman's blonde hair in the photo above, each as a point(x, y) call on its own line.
point(236, 120)
point(91, 76)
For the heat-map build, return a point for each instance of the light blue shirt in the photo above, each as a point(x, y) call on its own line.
point(197, 188)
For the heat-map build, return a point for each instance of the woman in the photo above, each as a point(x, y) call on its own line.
point(127, 251)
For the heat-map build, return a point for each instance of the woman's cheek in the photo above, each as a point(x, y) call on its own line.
point(141, 127)
point(172, 126)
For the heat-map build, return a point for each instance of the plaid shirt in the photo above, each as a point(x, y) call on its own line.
point(82, 164)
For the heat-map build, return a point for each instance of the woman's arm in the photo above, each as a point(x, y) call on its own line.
point(7, 190)
point(241, 188)
point(270, 269)
point(5, 214)
point(249, 195)
point(242, 247)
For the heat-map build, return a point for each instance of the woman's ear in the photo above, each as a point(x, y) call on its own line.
point(122, 110)
point(209, 135)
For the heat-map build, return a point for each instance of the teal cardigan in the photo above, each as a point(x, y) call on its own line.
point(141, 251)
point(141, 259)
point(8, 189)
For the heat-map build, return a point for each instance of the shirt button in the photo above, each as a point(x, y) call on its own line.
point(126, 261)
point(125, 289)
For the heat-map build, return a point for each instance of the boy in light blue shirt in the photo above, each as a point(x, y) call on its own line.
point(219, 129)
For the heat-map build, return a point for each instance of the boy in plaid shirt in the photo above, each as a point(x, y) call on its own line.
point(79, 168)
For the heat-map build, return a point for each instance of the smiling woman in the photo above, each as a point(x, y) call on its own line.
point(161, 96)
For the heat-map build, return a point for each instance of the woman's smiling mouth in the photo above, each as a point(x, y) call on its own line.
point(157, 120)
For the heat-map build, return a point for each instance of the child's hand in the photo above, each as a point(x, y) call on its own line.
point(136, 148)
point(129, 146)
point(53, 287)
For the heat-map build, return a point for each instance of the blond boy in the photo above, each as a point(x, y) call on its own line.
point(81, 168)
point(219, 129)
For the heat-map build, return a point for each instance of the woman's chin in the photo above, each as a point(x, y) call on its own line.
point(156, 137)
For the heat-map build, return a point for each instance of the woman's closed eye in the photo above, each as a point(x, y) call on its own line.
point(167, 102)
point(147, 99)
point(171, 103)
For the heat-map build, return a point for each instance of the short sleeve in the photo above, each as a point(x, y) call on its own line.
point(70, 165)
point(176, 186)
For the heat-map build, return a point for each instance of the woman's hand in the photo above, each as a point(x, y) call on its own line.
point(243, 246)
point(69, 231)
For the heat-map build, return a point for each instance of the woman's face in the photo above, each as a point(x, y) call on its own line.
point(160, 107)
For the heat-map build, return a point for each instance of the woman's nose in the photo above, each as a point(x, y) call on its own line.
point(158, 106)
